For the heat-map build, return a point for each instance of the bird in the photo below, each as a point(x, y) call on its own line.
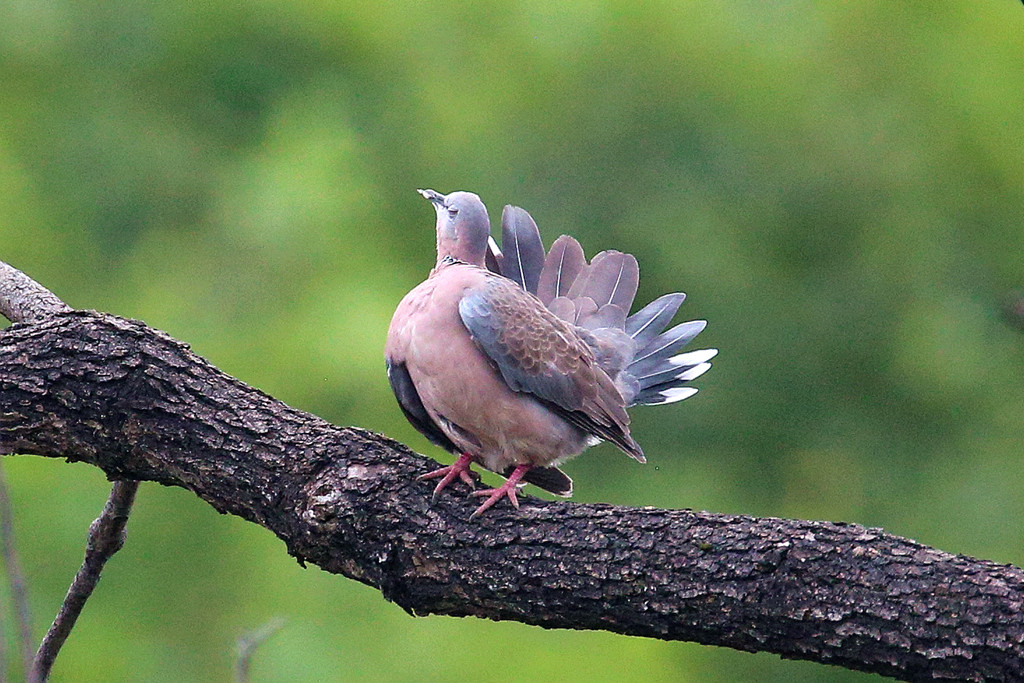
point(519, 360)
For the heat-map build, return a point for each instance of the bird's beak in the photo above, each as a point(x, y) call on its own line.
point(435, 198)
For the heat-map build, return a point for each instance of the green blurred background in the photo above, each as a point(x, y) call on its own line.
point(837, 187)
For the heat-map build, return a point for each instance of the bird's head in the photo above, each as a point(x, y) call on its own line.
point(462, 226)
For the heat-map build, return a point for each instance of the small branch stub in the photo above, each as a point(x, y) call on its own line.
point(249, 642)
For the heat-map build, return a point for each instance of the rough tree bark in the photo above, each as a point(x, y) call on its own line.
point(133, 401)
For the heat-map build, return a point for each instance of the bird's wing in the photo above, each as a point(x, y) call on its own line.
point(412, 406)
point(539, 354)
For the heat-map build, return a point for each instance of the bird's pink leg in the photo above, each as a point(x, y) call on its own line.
point(458, 469)
point(509, 489)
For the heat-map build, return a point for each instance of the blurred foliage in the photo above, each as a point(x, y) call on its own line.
point(837, 186)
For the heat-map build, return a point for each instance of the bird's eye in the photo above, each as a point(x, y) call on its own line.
point(453, 211)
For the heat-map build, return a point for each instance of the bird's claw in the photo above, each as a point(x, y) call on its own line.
point(506, 490)
point(460, 469)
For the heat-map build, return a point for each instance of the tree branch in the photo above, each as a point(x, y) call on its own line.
point(133, 401)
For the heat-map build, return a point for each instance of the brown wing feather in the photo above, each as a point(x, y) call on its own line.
point(541, 354)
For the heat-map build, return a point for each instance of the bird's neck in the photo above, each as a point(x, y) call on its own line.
point(449, 250)
point(445, 261)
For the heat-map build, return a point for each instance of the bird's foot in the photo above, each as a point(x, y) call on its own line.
point(457, 470)
point(509, 489)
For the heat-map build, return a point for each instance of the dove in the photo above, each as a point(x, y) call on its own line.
point(519, 360)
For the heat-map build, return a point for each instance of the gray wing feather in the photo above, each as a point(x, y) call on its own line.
point(612, 279)
point(684, 367)
point(585, 308)
point(563, 308)
point(609, 315)
point(564, 263)
point(662, 394)
point(522, 257)
point(647, 323)
point(664, 346)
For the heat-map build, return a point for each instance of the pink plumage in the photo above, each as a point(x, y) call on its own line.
point(519, 360)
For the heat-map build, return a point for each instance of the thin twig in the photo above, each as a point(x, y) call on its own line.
point(16, 578)
point(247, 644)
point(106, 536)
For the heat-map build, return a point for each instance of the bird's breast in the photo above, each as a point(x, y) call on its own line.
point(461, 388)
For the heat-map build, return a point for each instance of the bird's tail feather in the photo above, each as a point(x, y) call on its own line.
point(550, 479)
point(660, 372)
point(521, 257)
point(636, 351)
